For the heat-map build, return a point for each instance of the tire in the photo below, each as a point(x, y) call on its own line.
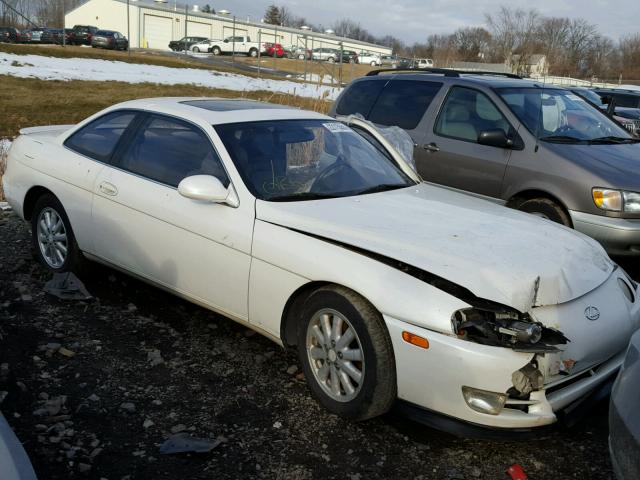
point(545, 208)
point(73, 260)
point(196, 49)
point(253, 53)
point(216, 50)
point(331, 60)
point(301, 56)
point(373, 64)
point(376, 390)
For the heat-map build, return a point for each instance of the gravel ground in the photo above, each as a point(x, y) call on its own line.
point(95, 387)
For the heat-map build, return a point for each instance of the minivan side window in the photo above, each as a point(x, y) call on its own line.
point(99, 138)
point(359, 98)
point(403, 102)
point(467, 112)
point(622, 100)
point(167, 150)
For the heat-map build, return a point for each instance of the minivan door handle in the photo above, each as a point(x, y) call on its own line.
point(431, 147)
point(108, 189)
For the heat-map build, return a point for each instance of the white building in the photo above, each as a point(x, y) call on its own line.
point(153, 25)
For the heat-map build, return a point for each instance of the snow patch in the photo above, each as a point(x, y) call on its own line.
point(51, 68)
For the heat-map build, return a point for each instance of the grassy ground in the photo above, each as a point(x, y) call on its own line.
point(31, 102)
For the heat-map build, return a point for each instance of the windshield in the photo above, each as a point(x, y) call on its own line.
point(290, 160)
point(591, 96)
point(560, 115)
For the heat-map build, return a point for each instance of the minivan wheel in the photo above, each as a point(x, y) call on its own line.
point(545, 208)
point(346, 354)
point(52, 236)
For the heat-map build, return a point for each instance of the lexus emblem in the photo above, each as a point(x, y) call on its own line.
point(592, 313)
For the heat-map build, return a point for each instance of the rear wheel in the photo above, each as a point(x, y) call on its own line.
point(253, 52)
point(216, 50)
point(52, 236)
point(196, 49)
point(346, 354)
point(545, 208)
point(331, 60)
point(301, 56)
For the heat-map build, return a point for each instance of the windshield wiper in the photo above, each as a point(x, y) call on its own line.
point(300, 196)
point(613, 140)
point(381, 188)
point(562, 139)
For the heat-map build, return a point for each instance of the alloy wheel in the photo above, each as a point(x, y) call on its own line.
point(52, 237)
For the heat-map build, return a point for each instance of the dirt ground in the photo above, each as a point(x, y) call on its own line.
point(95, 387)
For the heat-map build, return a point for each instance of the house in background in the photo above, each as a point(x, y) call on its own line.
point(534, 65)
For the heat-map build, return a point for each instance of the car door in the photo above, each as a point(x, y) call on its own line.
point(448, 153)
point(142, 224)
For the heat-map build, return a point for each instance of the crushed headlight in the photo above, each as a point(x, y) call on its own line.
point(484, 401)
point(502, 327)
point(607, 199)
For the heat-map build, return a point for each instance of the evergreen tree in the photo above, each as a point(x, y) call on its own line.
point(272, 15)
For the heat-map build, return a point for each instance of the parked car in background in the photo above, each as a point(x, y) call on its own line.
point(629, 118)
point(390, 288)
point(57, 36)
point(82, 34)
point(372, 59)
point(540, 150)
point(388, 60)
point(273, 50)
point(422, 63)
point(624, 421)
point(237, 44)
point(201, 47)
point(109, 39)
point(10, 35)
point(296, 51)
point(622, 98)
point(185, 43)
point(352, 55)
point(331, 55)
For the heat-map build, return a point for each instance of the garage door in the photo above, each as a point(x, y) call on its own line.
point(157, 31)
point(197, 29)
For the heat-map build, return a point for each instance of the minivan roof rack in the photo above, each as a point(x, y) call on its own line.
point(447, 72)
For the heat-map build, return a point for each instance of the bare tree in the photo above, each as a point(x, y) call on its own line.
point(472, 43)
point(513, 31)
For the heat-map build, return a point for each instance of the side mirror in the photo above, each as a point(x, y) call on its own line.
point(207, 188)
point(495, 138)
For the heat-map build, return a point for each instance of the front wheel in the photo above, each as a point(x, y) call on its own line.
point(346, 354)
point(52, 236)
point(331, 60)
point(545, 208)
point(253, 53)
point(216, 50)
point(301, 56)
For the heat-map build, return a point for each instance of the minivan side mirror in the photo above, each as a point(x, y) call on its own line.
point(495, 138)
point(207, 188)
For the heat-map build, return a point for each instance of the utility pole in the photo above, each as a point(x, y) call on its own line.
point(259, 48)
point(233, 40)
point(275, 50)
point(64, 23)
point(186, 20)
point(128, 30)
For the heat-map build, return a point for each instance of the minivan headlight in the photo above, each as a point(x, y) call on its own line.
point(607, 199)
point(616, 200)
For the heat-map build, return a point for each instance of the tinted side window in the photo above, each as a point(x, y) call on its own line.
point(466, 113)
point(359, 97)
point(167, 150)
point(403, 103)
point(622, 100)
point(99, 138)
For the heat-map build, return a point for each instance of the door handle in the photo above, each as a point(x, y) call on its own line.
point(431, 147)
point(108, 189)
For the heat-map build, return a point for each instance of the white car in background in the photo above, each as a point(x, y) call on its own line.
point(423, 62)
point(201, 47)
point(318, 235)
point(372, 59)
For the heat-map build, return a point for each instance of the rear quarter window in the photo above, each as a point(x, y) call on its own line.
point(403, 103)
point(359, 98)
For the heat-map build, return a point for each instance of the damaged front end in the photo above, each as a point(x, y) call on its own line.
point(500, 326)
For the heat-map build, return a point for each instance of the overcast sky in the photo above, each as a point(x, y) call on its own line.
point(414, 20)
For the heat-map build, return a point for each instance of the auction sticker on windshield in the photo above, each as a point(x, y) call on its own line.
point(336, 127)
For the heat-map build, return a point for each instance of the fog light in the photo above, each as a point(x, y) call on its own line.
point(483, 401)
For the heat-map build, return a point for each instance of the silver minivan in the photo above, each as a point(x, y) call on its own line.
point(537, 148)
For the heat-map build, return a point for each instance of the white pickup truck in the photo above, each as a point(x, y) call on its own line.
point(237, 44)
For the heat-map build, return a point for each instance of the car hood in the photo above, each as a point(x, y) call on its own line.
point(618, 164)
point(497, 253)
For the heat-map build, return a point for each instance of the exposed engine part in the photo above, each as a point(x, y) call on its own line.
point(527, 379)
point(505, 327)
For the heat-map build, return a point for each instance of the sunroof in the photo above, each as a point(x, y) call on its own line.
point(230, 105)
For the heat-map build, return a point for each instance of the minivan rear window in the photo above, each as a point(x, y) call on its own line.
point(403, 103)
point(359, 98)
